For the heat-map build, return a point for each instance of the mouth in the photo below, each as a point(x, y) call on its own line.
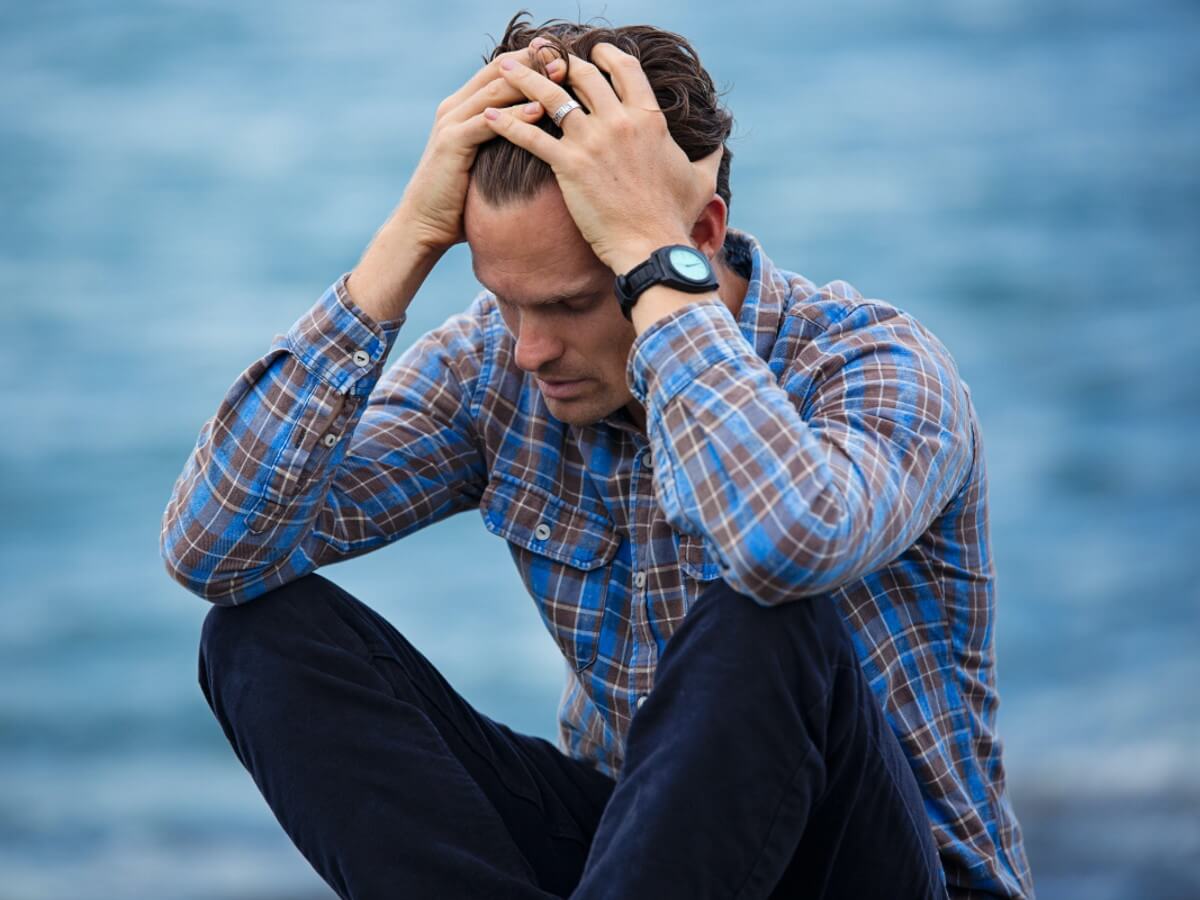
point(561, 390)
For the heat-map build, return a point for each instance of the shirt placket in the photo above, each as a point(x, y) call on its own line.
point(641, 516)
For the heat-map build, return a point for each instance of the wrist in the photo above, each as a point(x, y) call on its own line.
point(631, 253)
point(392, 269)
point(658, 302)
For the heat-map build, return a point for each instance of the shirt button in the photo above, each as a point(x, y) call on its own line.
point(641, 700)
point(639, 580)
point(329, 440)
point(361, 358)
point(542, 531)
point(647, 459)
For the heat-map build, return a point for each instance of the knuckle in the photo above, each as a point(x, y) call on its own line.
point(445, 138)
point(624, 127)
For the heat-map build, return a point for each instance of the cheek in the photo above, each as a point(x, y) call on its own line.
point(610, 348)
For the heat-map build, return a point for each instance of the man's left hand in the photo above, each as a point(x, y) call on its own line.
point(629, 187)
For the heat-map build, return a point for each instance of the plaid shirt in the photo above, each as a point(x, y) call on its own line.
point(820, 444)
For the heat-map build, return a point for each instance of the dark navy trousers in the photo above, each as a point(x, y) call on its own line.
point(760, 766)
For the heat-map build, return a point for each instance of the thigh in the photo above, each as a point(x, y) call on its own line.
point(550, 803)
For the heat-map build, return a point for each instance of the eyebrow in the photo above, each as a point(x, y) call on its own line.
point(586, 291)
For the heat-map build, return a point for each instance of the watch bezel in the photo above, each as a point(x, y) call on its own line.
point(694, 254)
point(658, 268)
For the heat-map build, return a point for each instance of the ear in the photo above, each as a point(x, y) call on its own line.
point(708, 232)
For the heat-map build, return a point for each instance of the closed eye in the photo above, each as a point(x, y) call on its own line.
point(574, 304)
point(579, 304)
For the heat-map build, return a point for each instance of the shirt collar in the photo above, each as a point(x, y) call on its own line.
point(767, 291)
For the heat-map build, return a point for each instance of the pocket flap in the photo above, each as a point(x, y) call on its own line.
point(532, 517)
point(696, 560)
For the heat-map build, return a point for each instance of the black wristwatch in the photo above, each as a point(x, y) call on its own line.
point(676, 265)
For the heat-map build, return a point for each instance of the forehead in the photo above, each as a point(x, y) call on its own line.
point(531, 252)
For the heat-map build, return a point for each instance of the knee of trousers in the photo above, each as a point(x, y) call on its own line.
point(726, 625)
point(231, 633)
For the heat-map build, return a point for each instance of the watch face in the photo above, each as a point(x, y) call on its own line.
point(689, 264)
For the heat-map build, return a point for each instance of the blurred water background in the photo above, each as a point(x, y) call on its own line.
point(180, 180)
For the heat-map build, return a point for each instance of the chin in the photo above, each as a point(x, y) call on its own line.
point(580, 412)
point(573, 413)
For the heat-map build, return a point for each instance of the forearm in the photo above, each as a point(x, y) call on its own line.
point(804, 480)
point(392, 269)
point(255, 482)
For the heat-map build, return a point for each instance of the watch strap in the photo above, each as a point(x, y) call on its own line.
point(657, 269)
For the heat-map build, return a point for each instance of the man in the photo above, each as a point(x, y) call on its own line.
point(752, 513)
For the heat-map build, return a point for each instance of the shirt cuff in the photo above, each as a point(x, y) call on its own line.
point(339, 343)
point(674, 350)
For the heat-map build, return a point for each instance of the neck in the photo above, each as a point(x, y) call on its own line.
point(732, 289)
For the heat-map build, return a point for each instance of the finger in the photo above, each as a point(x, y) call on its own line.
point(476, 130)
point(484, 76)
point(497, 92)
point(538, 87)
point(538, 142)
point(630, 81)
point(591, 86)
point(543, 49)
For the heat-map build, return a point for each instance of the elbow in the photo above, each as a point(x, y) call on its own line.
point(188, 578)
point(790, 560)
point(217, 591)
point(192, 567)
point(782, 577)
point(181, 576)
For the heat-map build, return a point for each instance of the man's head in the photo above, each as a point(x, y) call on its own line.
point(698, 122)
point(556, 296)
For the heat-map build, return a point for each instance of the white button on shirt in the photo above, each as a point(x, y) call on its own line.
point(542, 531)
point(639, 580)
point(361, 358)
point(647, 458)
point(641, 700)
point(329, 440)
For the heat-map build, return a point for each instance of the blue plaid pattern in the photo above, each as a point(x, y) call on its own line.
point(820, 445)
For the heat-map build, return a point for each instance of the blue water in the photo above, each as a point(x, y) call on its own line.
point(180, 180)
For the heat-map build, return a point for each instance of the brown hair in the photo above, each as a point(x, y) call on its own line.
point(502, 171)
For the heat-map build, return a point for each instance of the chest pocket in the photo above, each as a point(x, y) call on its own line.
point(563, 553)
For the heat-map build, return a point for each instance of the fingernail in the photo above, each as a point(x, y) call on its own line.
point(490, 113)
point(557, 66)
point(538, 42)
point(531, 108)
point(508, 63)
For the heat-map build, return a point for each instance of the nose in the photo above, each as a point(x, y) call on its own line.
point(537, 345)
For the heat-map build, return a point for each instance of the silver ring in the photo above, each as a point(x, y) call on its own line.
point(561, 112)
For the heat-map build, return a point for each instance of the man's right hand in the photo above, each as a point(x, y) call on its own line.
point(434, 198)
point(429, 218)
